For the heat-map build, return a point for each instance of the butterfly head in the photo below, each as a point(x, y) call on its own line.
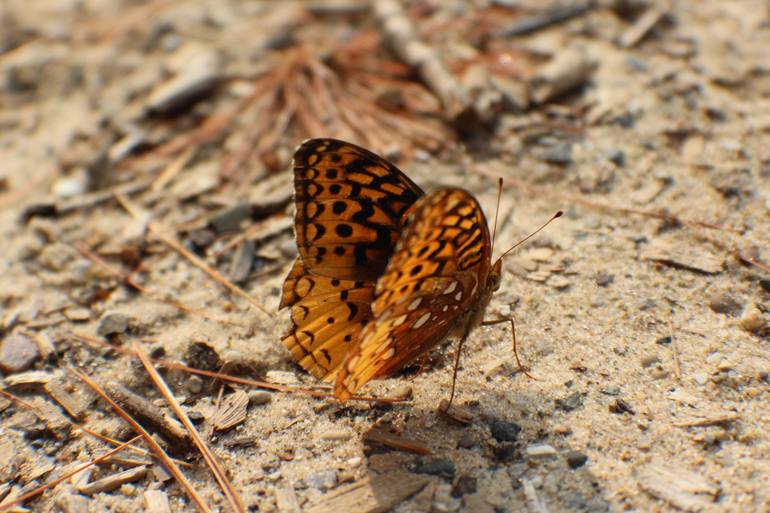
point(495, 273)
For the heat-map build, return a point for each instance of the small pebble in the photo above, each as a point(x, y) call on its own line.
point(257, 397)
point(603, 279)
point(503, 431)
point(229, 220)
point(650, 360)
point(540, 451)
point(112, 323)
point(280, 377)
point(466, 441)
point(700, 378)
point(725, 303)
point(611, 391)
point(571, 403)
point(17, 353)
point(77, 314)
point(616, 156)
point(324, 480)
point(335, 435)
point(559, 154)
point(354, 461)
point(465, 485)
point(765, 284)
point(443, 468)
point(576, 459)
point(757, 324)
point(194, 384)
point(403, 392)
point(70, 186)
point(559, 282)
point(663, 341)
point(620, 406)
point(561, 429)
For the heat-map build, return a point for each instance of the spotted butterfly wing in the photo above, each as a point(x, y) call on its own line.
point(350, 205)
point(437, 283)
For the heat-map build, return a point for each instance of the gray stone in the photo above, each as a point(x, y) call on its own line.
point(503, 431)
point(576, 459)
point(572, 402)
point(323, 480)
point(17, 353)
point(112, 323)
point(443, 468)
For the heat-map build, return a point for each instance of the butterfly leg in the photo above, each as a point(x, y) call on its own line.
point(513, 336)
point(456, 367)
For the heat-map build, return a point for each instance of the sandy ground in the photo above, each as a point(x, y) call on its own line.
point(647, 333)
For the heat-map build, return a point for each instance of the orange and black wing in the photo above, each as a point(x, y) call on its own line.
point(430, 285)
point(350, 209)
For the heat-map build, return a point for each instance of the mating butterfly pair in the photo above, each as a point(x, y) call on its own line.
point(385, 272)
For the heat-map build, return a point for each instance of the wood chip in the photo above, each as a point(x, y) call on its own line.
point(379, 435)
point(684, 256)
point(231, 412)
point(146, 411)
point(109, 483)
point(29, 378)
point(72, 503)
point(156, 501)
point(534, 503)
point(74, 407)
point(54, 419)
point(709, 419)
point(642, 27)
point(286, 500)
point(680, 487)
point(568, 70)
point(371, 495)
point(455, 413)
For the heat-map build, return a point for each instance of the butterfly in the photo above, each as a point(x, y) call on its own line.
point(384, 272)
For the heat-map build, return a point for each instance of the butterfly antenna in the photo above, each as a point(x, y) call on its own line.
point(525, 239)
point(497, 210)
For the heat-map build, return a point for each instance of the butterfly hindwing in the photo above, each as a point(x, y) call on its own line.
point(435, 275)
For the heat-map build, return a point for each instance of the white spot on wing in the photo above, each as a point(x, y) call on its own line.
point(459, 296)
point(414, 304)
point(422, 320)
point(451, 288)
point(388, 354)
point(398, 321)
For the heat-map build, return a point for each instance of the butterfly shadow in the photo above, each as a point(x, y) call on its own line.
point(415, 450)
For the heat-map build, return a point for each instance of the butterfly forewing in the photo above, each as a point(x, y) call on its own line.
point(350, 207)
point(350, 203)
point(429, 286)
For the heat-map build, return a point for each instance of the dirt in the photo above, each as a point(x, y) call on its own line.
point(642, 314)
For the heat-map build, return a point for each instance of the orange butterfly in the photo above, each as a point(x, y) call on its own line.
point(384, 272)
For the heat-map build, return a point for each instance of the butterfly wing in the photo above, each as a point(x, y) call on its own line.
point(429, 287)
point(350, 205)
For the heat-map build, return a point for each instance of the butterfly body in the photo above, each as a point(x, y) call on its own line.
point(384, 272)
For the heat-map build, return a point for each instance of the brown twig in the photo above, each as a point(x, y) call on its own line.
point(225, 377)
point(214, 465)
point(156, 449)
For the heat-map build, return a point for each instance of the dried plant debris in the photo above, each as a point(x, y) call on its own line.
point(374, 495)
point(684, 255)
point(678, 486)
point(231, 411)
